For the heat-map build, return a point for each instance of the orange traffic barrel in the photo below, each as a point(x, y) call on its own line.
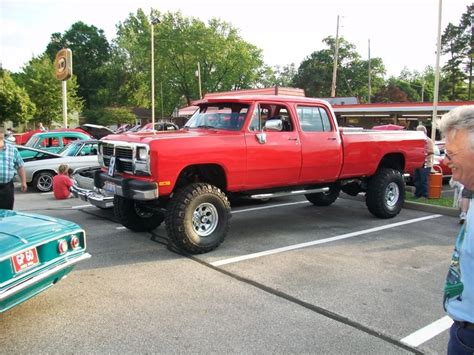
point(435, 182)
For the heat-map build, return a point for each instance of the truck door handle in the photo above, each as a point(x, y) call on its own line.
point(332, 139)
point(292, 139)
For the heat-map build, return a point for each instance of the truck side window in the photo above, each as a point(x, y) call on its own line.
point(264, 112)
point(313, 119)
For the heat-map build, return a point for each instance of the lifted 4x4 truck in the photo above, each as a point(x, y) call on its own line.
point(258, 146)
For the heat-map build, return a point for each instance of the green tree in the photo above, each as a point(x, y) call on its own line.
point(39, 80)
point(467, 28)
point(315, 72)
point(110, 115)
point(227, 62)
point(90, 51)
point(453, 44)
point(15, 104)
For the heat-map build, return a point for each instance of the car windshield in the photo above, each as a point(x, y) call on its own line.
point(229, 116)
point(70, 150)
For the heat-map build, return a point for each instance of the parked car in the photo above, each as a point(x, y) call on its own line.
point(53, 141)
point(22, 138)
point(41, 166)
point(96, 131)
point(160, 126)
point(439, 160)
point(35, 253)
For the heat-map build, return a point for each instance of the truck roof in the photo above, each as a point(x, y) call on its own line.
point(250, 98)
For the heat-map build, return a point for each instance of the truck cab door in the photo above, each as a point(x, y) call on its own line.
point(273, 156)
point(321, 145)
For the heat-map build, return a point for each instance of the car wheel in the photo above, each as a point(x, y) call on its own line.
point(134, 216)
point(386, 193)
point(43, 181)
point(198, 218)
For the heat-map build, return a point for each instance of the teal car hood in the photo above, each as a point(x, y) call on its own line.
point(20, 230)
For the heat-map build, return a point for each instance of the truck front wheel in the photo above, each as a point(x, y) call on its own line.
point(324, 198)
point(198, 218)
point(386, 193)
point(135, 217)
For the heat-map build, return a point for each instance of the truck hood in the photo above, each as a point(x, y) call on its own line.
point(20, 230)
point(147, 137)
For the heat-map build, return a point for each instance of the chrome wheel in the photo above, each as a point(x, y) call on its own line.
point(392, 194)
point(205, 219)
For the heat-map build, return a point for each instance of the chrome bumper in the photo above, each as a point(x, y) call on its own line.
point(38, 278)
point(129, 188)
point(94, 198)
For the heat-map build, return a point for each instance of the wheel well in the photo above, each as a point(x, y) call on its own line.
point(211, 173)
point(394, 161)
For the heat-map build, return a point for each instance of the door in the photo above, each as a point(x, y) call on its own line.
point(275, 159)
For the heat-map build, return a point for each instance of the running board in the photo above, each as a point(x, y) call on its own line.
point(289, 193)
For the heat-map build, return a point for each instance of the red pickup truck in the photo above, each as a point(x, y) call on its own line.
point(259, 146)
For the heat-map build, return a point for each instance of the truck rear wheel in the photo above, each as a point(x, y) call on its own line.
point(135, 217)
point(198, 218)
point(324, 198)
point(386, 193)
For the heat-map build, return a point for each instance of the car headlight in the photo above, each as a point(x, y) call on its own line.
point(142, 153)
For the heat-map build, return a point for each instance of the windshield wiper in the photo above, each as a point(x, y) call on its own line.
point(205, 126)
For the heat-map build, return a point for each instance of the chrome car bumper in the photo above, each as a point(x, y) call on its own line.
point(40, 277)
point(94, 198)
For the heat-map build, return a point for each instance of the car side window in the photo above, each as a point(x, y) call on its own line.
point(265, 112)
point(313, 119)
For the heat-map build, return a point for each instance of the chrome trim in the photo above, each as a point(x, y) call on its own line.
point(137, 194)
point(93, 197)
point(137, 165)
point(36, 279)
point(290, 193)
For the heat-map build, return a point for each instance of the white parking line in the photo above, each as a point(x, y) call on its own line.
point(320, 241)
point(430, 331)
point(81, 206)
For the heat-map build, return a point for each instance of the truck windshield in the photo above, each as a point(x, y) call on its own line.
point(229, 117)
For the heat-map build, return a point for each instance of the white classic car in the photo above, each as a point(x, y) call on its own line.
point(42, 166)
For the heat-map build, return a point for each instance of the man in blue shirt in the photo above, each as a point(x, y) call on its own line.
point(10, 162)
point(457, 127)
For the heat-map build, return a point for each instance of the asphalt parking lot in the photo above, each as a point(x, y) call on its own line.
point(289, 278)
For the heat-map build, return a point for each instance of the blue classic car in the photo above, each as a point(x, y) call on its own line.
point(35, 252)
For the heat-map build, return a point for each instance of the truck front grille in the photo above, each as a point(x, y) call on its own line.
point(124, 154)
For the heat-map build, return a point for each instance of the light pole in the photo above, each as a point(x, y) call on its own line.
point(154, 21)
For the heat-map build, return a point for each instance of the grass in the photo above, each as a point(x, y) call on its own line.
point(443, 201)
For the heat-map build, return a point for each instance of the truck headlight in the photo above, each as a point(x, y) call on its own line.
point(142, 153)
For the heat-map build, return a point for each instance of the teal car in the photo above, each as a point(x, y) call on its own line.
point(53, 141)
point(35, 252)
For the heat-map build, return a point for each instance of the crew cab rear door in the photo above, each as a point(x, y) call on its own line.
point(321, 144)
point(276, 161)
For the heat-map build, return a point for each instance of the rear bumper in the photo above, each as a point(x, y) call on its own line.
point(129, 188)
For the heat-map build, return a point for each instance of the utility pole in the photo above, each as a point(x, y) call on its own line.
point(370, 88)
point(334, 69)
point(198, 74)
point(436, 84)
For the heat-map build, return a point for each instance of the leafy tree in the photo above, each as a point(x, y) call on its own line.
point(452, 45)
point(44, 90)
point(90, 51)
point(110, 115)
point(227, 62)
point(315, 72)
point(15, 104)
point(467, 29)
point(277, 76)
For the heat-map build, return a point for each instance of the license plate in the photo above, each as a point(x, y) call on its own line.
point(109, 187)
point(111, 166)
point(25, 260)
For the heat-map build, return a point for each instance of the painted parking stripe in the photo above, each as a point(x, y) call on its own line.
point(430, 331)
point(320, 241)
point(81, 206)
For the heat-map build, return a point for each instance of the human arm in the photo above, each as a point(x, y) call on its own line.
point(21, 173)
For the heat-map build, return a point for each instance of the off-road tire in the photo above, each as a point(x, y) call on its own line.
point(198, 218)
point(324, 198)
point(386, 193)
point(43, 181)
point(128, 213)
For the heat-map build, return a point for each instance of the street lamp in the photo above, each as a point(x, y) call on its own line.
point(154, 21)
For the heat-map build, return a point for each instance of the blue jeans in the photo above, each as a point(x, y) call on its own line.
point(420, 179)
point(461, 340)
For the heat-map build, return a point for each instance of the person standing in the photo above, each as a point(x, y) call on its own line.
point(457, 126)
point(420, 176)
point(10, 162)
point(62, 183)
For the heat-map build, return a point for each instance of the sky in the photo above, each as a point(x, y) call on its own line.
point(403, 33)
